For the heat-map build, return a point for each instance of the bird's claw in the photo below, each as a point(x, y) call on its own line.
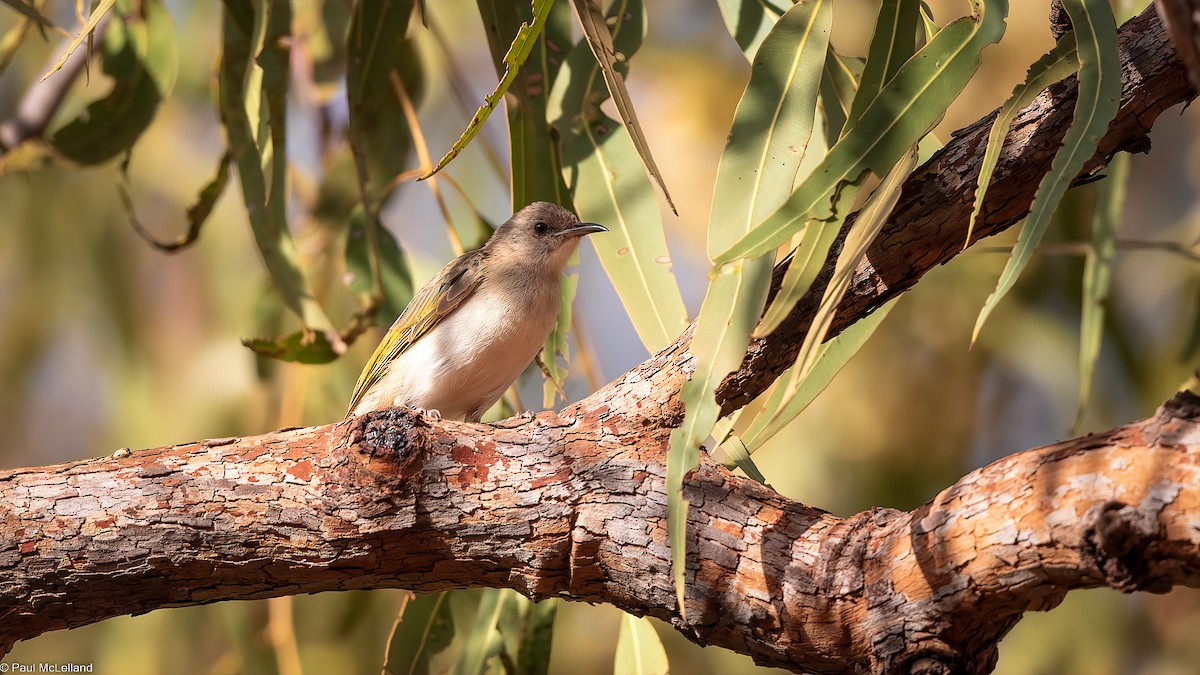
point(431, 412)
point(528, 415)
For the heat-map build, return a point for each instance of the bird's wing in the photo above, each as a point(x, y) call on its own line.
point(441, 296)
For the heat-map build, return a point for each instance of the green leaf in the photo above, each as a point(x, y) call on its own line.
point(98, 13)
point(378, 133)
point(904, 111)
point(602, 167)
point(1097, 275)
point(839, 83)
point(928, 24)
point(301, 347)
point(774, 415)
point(730, 310)
point(773, 121)
point(252, 100)
point(556, 343)
point(735, 449)
point(423, 641)
point(1052, 67)
point(377, 130)
point(806, 262)
point(533, 657)
point(536, 170)
point(140, 56)
point(866, 227)
point(639, 649)
point(893, 42)
point(395, 274)
point(598, 37)
point(749, 21)
point(483, 641)
point(1098, 99)
point(521, 46)
point(197, 213)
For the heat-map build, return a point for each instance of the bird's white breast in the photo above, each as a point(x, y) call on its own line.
point(467, 361)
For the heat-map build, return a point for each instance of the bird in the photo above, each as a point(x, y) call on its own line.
point(471, 331)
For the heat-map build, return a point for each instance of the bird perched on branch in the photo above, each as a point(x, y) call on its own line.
point(470, 332)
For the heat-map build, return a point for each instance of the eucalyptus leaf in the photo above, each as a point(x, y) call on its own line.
point(1097, 102)
point(602, 167)
point(518, 52)
point(598, 37)
point(1056, 64)
point(749, 21)
point(833, 355)
point(251, 103)
point(892, 43)
point(426, 641)
point(98, 12)
point(140, 56)
point(1097, 275)
point(905, 110)
point(639, 649)
point(771, 125)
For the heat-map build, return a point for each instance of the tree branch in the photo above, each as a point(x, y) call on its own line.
point(573, 505)
point(576, 508)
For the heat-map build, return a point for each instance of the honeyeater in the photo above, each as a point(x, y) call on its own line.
point(470, 332)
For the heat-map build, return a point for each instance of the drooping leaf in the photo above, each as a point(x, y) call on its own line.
point(379, 56)
point(833, 355)
point(1097, 274)
point(252, 93)
point(602, 167)
point(140, 56)
point(424, 640)
point(771, 125)
point(598, 37)
point(196, 214)
point(521, 46)
point(533, 657)
point(892, 43)
point(749, 21)
point(639, 649)
point(556, 343)
point(1052, 67)
point(1098, 99)
point(839, 82)
point(905, 109)
point(483, 641)
point(868, 225)
point(735, 449)
point(928, 24)
point(93, 19)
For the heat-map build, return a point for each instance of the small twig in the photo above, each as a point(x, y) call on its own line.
point(1081, 248)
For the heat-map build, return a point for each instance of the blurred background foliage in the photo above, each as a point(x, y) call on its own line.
point(112, 343)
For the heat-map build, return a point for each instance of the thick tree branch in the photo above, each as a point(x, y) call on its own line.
point(576, 508)
point(573, 505)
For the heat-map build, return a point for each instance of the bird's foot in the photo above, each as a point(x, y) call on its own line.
point(431, 412)
point(528, 415)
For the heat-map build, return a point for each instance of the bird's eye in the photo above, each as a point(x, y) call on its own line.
point(541, 228)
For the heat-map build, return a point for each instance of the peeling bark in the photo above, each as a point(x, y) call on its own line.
point(575, 508)
point(573, 505)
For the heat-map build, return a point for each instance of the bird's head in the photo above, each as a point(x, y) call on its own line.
point(542, 234)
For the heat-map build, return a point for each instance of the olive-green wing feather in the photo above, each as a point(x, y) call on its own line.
point(441, 296)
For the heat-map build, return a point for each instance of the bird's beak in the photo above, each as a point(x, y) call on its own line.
point(580, 229)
